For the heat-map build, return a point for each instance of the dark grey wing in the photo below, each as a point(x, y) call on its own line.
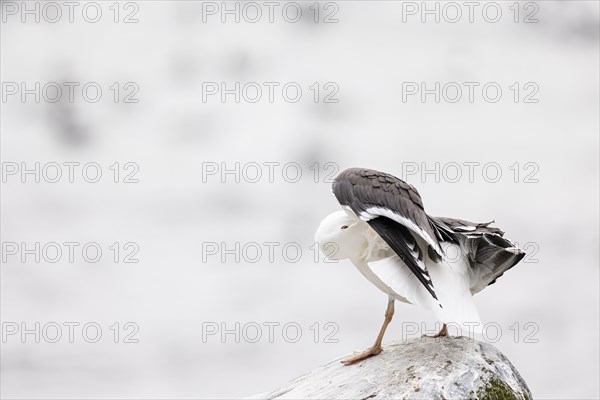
point(490, 254)
point(454, 225)
point(371, 194)
point(395, 211)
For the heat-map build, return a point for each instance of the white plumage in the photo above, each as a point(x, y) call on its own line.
point(382, 267)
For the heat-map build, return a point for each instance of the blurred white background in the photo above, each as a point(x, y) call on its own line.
point(179, 289)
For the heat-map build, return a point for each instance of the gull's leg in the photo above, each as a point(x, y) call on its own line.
point(376, 348)
point(442, 333)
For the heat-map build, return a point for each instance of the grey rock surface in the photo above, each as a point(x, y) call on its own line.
point(425, 368)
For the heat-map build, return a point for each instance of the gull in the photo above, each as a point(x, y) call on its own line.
point(436, 263)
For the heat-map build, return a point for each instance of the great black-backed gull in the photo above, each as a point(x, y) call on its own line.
point(435, 262)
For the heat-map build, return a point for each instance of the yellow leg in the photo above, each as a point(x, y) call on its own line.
point(376, 348)
point(442, 333)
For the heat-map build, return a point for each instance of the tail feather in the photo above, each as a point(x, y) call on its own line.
point(453, 283)
point(460, 314)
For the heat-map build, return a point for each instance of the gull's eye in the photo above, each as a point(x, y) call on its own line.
point(344, 227)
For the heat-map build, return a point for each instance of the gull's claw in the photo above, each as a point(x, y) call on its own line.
point(362, 355)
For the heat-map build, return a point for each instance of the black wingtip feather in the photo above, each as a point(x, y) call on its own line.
point(398, 238)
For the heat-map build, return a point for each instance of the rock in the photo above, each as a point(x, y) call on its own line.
point(424, 368)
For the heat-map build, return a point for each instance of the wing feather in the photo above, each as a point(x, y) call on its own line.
point(406, 247)
point(371, 194)
point(490, 254)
